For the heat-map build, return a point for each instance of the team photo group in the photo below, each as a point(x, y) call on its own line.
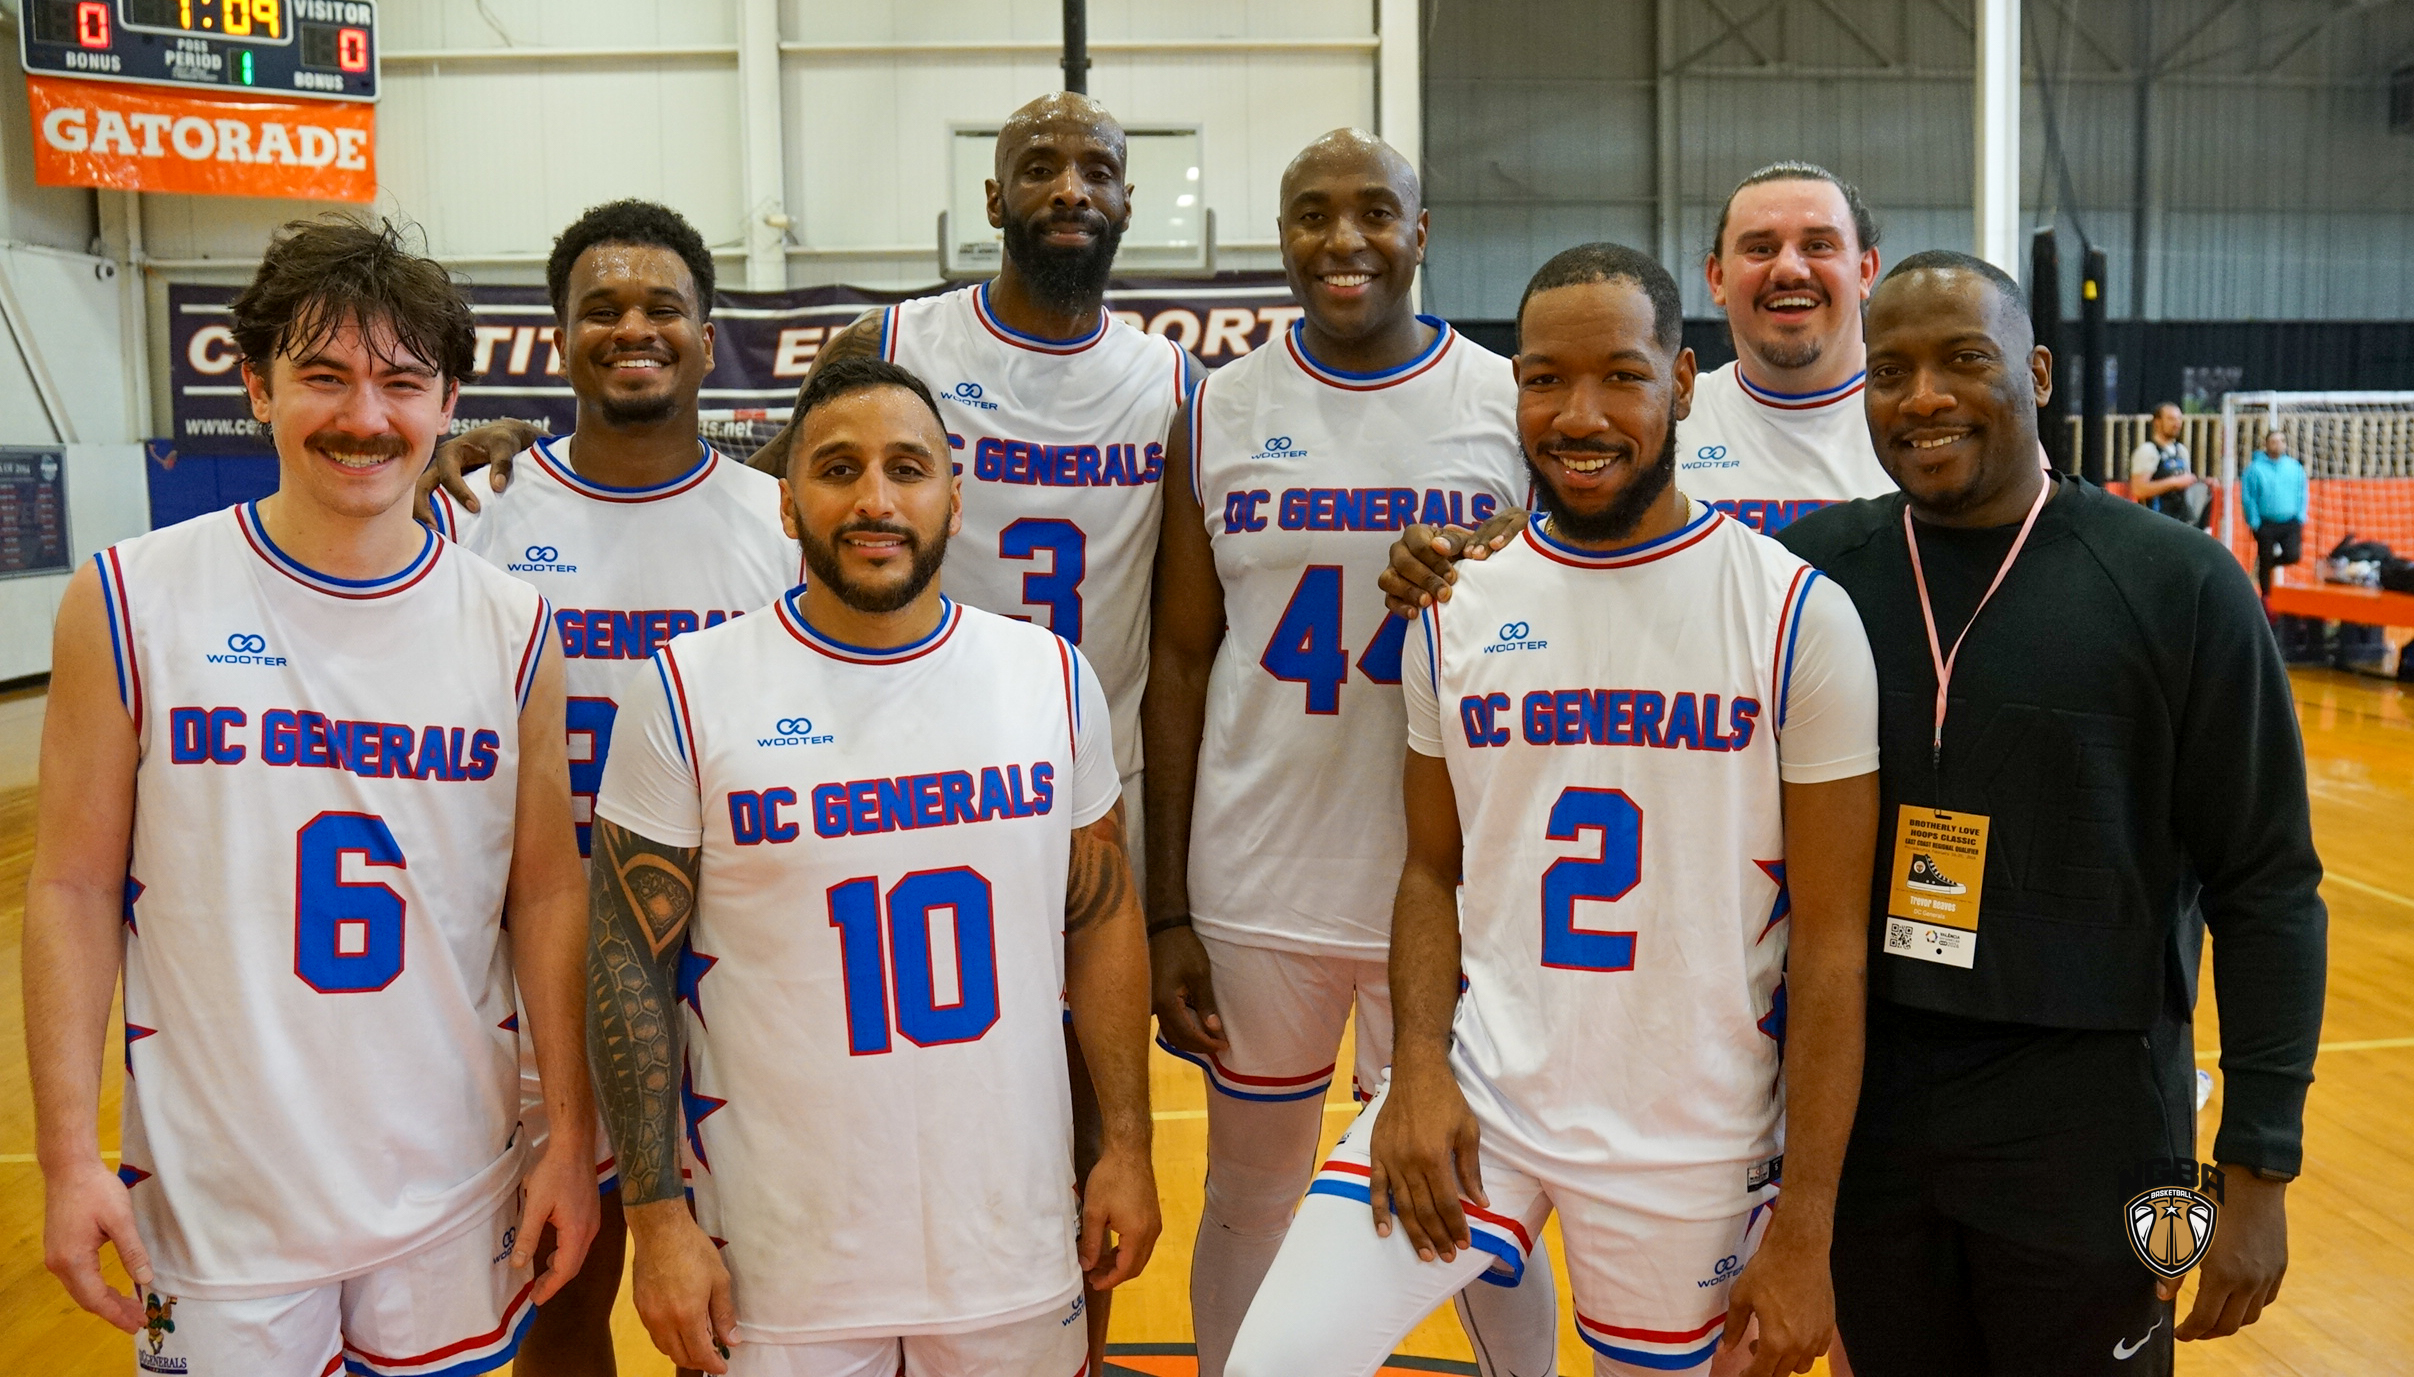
point(1770, 824)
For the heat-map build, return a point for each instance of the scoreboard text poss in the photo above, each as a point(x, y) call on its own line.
point(324, 49)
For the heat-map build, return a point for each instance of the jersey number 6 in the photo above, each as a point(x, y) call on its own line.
point(925, 1020)
point(347, 934)
point(1607, 878)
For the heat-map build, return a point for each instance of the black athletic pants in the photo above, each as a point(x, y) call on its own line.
point(1980, 1225)
point(2277, 543)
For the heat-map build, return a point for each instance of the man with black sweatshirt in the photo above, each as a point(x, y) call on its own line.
point(2111, 769)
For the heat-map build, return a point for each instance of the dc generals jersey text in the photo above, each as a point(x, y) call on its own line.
point(319, 1043)
point(1062, 445)
point(876, 1100)
point(1306, 474)
point(1616, 727)
point(626, 569)
point(1767, 458)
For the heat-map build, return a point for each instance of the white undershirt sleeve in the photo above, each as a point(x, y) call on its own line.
point(2143, 461)
point(1095, 784)
point(1827, 696)
point(649, 784)
point(1420, 684)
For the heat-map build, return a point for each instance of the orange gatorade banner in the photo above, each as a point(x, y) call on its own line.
point(88, 133)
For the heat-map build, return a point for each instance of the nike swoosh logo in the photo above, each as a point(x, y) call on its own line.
point(2123, 1352)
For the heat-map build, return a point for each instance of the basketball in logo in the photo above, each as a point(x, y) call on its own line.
point(2171, 1226)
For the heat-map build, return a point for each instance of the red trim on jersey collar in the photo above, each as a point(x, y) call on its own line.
point(792, 616)
point(1035, 343)
point(431, 549)
point(562, 473)
point(1800, 401)
point(1293, 340)
point(1681, 539)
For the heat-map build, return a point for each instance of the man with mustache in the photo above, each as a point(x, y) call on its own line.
point(2090, 692)
point(1274, 703)
point(1778, 432)
point(635, 531)
point(1641, 801)
point(869, 1068)
point(301, 758)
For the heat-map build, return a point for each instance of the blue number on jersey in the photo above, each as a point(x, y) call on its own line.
point(1059, 589)
point(1306, 645)
point(855, 912)
point(592, 719)
point(1608, 878)
point(347, 934)
point(1381, 661)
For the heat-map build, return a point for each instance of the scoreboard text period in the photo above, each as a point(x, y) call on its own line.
point(320, 49)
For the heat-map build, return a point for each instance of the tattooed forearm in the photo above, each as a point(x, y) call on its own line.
point(641, 895)
point(1098, 880)
point(860, 340)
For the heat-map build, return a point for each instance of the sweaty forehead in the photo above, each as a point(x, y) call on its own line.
point(647, 266)
point(1065, 135)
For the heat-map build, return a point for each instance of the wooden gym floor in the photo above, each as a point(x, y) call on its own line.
point(2351, 1218)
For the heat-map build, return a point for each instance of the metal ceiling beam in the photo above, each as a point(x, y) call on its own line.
point(1734, 29)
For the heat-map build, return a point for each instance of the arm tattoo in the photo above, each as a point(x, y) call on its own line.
point(860, 340)
point(1099, 877)
point(640, 895)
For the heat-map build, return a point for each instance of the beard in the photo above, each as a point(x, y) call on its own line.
point(1625, 511)
point(1799, 353)
point(821, 560)
point(1065, 280)
point(637, 411)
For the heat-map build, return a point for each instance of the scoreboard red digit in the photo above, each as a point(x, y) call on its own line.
point(318, 49)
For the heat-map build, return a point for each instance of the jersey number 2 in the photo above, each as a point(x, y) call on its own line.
point(1306, 645)
point(347, 934)
point(912, 954)
point(1607, 878)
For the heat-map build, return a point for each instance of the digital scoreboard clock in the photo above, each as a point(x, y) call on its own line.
point(320, 49)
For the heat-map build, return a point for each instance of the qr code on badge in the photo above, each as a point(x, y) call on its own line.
point(1898, 936)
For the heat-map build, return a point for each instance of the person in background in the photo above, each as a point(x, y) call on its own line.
point(2160, 472)
point(2271, 494)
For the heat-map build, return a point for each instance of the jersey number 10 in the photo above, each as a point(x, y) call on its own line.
point(926, 1021)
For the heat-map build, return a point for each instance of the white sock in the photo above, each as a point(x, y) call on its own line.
point(1514, 1329)
point(1260, 1155)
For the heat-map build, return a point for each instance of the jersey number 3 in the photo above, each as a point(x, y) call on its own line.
point(1606, 879)
point(347, 934)
point(1059, 589)
point(925, 1013)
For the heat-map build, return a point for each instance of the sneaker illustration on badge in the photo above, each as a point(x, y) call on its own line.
point(1924, 874)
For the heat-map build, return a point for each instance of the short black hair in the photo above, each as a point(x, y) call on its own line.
point(629, 222)
point(844, 377)
point(1864, 224)
point(1605, 262)
point(1952, 260)
point(322, 275)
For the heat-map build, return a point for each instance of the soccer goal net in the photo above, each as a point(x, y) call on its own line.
point(2358, 453)
point(739, 432)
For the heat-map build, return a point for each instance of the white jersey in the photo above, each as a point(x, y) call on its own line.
point(876, 1099)
point(1767, 458)
point(626, 569)
point(1616, 727)
point(319, 1035)
point(1306, 475)
point(1062, 445)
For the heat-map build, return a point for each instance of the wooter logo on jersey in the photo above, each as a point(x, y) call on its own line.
point(1516, 636)
point(1711, 457)
point(969, 394)
point(541, 559)
point(1279, 447)
point(244, 648)
point(794, 731)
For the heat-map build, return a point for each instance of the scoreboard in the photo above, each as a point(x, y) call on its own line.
point(319, 49)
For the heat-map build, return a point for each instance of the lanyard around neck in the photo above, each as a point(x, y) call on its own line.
point(1940, 657)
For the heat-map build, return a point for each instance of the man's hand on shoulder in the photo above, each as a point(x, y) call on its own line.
point(489, 447)
point(1423, 560)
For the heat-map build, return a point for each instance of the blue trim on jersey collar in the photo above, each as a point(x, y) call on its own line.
point(1824, 395)
point(1441, 336)
point(793, 600)
point(544, 446)
point(251, 511)
point(1542, 533)
point(990, 314)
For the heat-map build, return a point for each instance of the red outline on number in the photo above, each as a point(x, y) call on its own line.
point(1055, 561)
point(1307, 687)
point(930, 974)
point(590, 733)
point(880, 959)
point(1542, 884)
point(402, 949)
